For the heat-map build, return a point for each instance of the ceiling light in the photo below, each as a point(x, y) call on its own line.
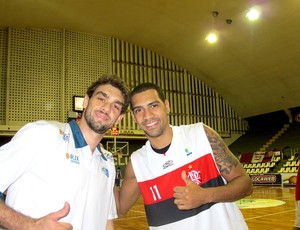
point(211, 38)
point(253, 14)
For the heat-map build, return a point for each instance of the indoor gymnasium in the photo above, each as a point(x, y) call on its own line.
point(225, 71)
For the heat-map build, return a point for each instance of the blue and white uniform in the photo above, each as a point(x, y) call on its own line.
point(48, 163)
point(158, 174)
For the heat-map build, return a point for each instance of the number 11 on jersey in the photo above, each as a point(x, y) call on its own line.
point(155, 193)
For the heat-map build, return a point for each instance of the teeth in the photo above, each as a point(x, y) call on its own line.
point(150, 124)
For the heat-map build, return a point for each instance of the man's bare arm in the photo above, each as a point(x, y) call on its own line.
point(238, 185)
point(110, 225)
point(12, 220)
point(129, 191)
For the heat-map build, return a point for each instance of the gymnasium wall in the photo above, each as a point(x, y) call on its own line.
point(42, 69)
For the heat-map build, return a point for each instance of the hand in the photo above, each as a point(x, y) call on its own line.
point(50, 221)
point(189, 196)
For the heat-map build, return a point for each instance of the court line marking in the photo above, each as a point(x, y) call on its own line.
point(273, 214)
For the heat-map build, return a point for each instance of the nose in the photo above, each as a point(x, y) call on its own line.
point(147, 113)
point(106, 107)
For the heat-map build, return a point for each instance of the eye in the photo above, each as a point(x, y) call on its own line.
point(117, 107)
point(137, 110)
point(101, 99)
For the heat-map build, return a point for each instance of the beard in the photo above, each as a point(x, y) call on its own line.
point(153, 133)
point(95, 126)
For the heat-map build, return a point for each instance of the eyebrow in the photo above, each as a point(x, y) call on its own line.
point(107, 96)
point(140, 106)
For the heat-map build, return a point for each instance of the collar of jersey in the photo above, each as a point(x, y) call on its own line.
point(79, 139)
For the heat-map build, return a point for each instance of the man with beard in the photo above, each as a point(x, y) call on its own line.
point(188, 177)
point(56, 174)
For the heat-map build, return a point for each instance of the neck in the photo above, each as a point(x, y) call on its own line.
point(163, 150)
point(162, 140)
point(92, 138)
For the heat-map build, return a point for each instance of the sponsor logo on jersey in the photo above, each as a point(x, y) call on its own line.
point(107, 155)
point(188, 151)
point(65, 136)
point(168, 164)
point(73, 158)
point(105, 171)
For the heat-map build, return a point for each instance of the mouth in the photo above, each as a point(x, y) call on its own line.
point(151, 124)
point(102, 116)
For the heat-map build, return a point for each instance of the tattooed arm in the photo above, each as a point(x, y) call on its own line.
point(238, 185)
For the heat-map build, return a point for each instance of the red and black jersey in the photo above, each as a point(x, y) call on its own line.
point(158, 174)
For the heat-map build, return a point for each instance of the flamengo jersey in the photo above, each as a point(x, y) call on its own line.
point(158, 174)
point(48, 163)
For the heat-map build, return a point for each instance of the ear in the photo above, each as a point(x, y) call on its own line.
point(167, 105)
point(85, 101)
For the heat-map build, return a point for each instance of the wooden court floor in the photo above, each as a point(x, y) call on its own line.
point(280, 217)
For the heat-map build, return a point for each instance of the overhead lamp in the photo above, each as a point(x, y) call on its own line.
point(253, 14)
point(211, 38)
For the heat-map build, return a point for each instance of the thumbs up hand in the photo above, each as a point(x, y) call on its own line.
point(189, 196)
point(50, 221)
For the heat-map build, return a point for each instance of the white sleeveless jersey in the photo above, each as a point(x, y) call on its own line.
point(157, 175)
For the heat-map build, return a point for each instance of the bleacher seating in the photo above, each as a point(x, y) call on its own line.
point(289, 138)
point(256, 137)
point(260, 141)
point(251, 141)
point(259, 168)
point(291, 166)
point(257, 140)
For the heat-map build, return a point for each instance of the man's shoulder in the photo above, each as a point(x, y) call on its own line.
point(43, 126)
point(189, 127)
point(48, 122)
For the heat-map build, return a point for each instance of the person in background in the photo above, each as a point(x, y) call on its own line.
point(56, 174)
point(118, 177)
point(186, 174)
point(297, 197)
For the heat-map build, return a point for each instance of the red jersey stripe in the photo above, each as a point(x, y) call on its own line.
point(161, 188)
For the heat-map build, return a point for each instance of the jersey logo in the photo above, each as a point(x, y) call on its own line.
point(195, 176)
point(73, 158)
point(168, 164)
point(105, 171)
point(188, 151)
point(65, 136)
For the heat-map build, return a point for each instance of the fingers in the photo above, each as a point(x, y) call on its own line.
point(183, 194)
point(66, 226)
point(180, 189)
point(183, 175)
point(179, 192)
point(180, 201)
point(60, 213)
point(185, 178)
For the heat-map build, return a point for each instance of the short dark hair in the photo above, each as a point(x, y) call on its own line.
point(116, 82)
point(146, 86)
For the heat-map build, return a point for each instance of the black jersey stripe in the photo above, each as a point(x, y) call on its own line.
point(166, 212)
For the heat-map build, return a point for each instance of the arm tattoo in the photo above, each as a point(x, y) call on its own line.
point(225, 160)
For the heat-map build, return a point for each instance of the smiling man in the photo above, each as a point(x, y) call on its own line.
point(186, 174)
point(56, 174)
